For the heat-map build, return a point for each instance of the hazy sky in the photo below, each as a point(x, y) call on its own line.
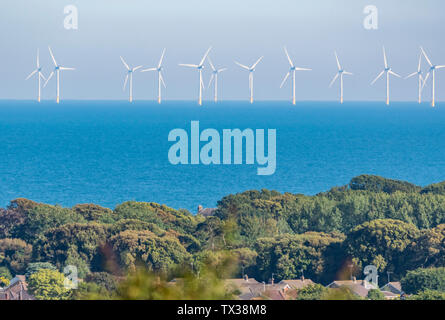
point(237, 30)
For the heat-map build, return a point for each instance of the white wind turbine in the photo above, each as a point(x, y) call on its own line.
point(37, 71)
point(57, 69)
point(432, 70)
point(292, 71)
point(388, 71)
point(419, 76)
point(251, 70)
point(199, 67)
point(160, 78)
point(341, 72)
point(214, 76)
point(129, 74)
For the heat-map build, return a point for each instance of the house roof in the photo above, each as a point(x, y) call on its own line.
point(297, 283)
point(394, 287)
point(359, 287)
point(17, 290)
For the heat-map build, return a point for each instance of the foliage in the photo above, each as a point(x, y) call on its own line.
point(4, 282)
point(375, 294)
point(379, 184)
point(422, 279)
point(37, 266)
point(48, 284)
point(312, 292)
point(15, 254)
point(428, 295)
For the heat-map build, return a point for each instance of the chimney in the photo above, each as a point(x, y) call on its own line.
point(302, 278)
point(354, 279)
point(246, 278)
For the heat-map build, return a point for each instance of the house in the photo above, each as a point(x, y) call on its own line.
point(206, 212)
point(17, 290)
point(394, 287)
point(358, 287)
point(297, 283)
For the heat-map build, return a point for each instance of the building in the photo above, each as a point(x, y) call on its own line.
point(358, 287)
point(394, 287)
point(297, 283)
point(17, 290)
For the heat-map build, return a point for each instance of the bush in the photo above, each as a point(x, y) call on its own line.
point(421, 279)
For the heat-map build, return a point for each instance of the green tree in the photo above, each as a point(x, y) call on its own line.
point(428, 295)
point(422, 279)
point(37, 266)
point(48, 284)
point(375, 294)
point(312, 292)
point(15, 254)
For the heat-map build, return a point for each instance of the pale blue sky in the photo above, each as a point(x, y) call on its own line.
point(237, 30)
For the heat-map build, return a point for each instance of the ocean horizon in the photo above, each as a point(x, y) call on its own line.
point(110, 151)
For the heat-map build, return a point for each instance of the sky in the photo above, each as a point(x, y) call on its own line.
point(237, 30)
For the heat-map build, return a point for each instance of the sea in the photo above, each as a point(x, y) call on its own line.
point(108, 152)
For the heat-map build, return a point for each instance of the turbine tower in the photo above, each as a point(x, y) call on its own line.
point(130, 72)
point(57, 69)
point(37, 71)
point(292, 71)
point(214, 76)
point(199, 67)
point(341, 72)
point(160, 78)
point(432, 71)
point(251, 70)
point(388, 71)
point(419, 76)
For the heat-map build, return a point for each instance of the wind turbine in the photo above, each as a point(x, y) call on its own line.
point(292, 71)
point(199, 67)
point(214, 76)
point(341, 72)
point(251, 70)
point(388, 71)
point(432, 70)
point(129, 74)
point(37, 71)
point(160, 78)
point(419, 76)
point(57, 69)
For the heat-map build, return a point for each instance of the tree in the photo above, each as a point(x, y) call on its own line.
point(94, 212)
point(375, 294)
point(312, 292)
point(15, 254)
point(422, 279)
point(382, 243)
point(428, 295)
point(379, 184)
point(37, 266)
point(48, 284)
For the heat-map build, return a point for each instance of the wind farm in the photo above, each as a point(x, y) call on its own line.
point(214, 73)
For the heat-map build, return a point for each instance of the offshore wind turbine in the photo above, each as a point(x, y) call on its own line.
point(57, 69)
point(160, 77)
point(432, 71)
point(251, 70)
point(292, 71)
point(214, 76)
point(419, 76)
point(388, 71)
point(129, 74)
point(340, 73)
point(199, 67)
point(40, 76)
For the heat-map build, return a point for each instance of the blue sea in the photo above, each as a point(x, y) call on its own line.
point(107, 152)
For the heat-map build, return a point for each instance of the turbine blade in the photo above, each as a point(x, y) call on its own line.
point(41, 75)
point(162, 79)
point(52, 56)
point(284, 80)
point(66, 68)
point(211, 80)
point(136, 68)
point(38, 58)
point(221, 70)
point(242, 65)
point(420, 62)
point(31, 74)
point(288, 57)
point(333, 80)
point(303, 69)
point(426, 57)
point(125, 82)
point(256, 63)
point(205, 56)
point(440, 67)
point(385, 60)
point(149, 69)
point(411, 75)
point(125, 64)
point(378, 77)
point(189, 65)
point(424, 81)
point(202, 83)
point(47, 80)
point(211, 64)
point(338, 62)
point(348, 73)
point(394, 74)
point(162, 58)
